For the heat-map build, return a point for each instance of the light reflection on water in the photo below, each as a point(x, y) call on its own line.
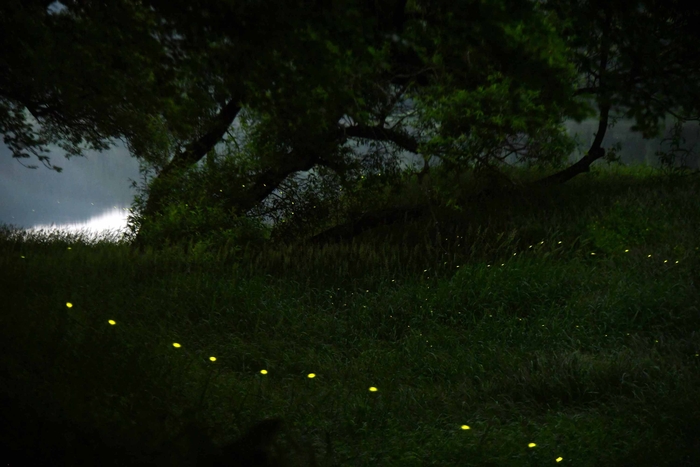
point(109, 224)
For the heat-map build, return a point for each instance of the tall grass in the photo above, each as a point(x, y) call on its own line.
point(556, 327)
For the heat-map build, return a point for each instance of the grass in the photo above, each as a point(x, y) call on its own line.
point(557, 328)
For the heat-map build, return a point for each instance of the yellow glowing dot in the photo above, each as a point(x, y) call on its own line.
point(69, 248)
point(263, 372)
point(648, 256)
point(176, 345)
point(627, 251)
point(312, 375)
point(69, 304)
point(531, 445)
point(560, 242)
point(559, 459)
point(593, 254)
point(22, 256)
point(372, 389)
point(213, 359)
point(466, 427)
point(112, 322)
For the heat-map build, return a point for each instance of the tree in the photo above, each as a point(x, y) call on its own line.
point(638, 58)
point(82, 80)
point(362, 70)
point(467, 82)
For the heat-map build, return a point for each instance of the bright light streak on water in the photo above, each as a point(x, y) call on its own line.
point(112, 224)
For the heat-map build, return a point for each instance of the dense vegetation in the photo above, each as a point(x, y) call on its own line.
point(549, 327)
point(464, 314)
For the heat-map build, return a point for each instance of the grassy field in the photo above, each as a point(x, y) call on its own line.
point(559, 328)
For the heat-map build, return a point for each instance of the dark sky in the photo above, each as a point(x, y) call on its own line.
point(94, 189)
point(94, 192)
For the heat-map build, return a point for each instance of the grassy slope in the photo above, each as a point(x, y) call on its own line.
point(587, 348)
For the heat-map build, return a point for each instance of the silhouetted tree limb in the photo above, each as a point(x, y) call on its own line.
point(349, 230)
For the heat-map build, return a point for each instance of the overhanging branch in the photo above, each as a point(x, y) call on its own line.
point(376, 133)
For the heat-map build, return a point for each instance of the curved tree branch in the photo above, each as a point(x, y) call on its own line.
point(378, 133)
point(192, 154)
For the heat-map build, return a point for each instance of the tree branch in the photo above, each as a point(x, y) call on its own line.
point(377, 133)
